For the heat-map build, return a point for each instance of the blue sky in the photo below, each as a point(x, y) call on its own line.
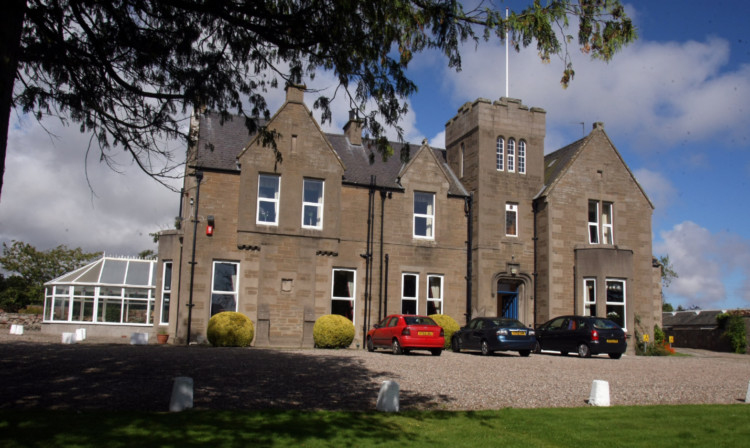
point(676, 104)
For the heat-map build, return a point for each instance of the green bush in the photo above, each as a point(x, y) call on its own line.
point(333, 331)
point(735, 331)
point(659, 335)
point(448, 324)
point(230, 329)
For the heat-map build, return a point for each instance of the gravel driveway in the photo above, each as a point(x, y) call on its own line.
point(89, 376)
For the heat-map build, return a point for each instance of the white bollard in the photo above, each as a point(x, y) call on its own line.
point(599, 393)
point(182, 394)
point(81, 334)
point(16, 329)
point(139, 339)
point(68, 338)
point(747, 396)
point(388, 397)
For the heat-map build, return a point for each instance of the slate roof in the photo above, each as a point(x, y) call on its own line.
point(698, 318)
point(219, 144)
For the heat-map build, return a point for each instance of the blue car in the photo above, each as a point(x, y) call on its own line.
point(494, 334)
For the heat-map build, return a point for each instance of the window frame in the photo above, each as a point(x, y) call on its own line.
point(522, 157)
point(352, 292)
point(218, 292)
point(607, 228)
point(511, 208)
point(589, 289)
point(429, 218)
point(318, 205)
point(511, 155)
point(276, 200)
point(593, 226)
point(500, 154)
point(622, 304)
point(404, 297)
point(166, 290)
point(435, 300)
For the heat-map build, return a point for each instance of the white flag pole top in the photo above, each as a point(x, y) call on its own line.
point(506, 53)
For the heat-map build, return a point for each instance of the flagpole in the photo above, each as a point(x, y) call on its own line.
point(507, 95)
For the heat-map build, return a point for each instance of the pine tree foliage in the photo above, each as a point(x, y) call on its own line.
point(132, 71)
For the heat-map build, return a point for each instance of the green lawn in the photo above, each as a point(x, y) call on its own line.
point(663, 426)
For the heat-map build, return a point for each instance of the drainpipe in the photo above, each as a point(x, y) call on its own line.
point(468, 206)
point(385, 299)
point(535, 211)
point(198, 178)
point(380, 286)
point(368, 259)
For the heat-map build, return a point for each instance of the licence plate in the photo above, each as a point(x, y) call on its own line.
point(518, 333)
point(612, 341)
point(424, 333)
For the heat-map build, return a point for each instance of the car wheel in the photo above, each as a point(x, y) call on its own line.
point(537, 348)
point(524, 353)
point(436, 351)
point(456, 345)
point(486, 349)
point(584, 351)
point(615, 355)
point(370, 345)
point(396, 348)
point(563, 353)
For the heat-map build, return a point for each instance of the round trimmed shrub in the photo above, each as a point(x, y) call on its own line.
point(333, 331)
point(230, 329)
point(448, 324)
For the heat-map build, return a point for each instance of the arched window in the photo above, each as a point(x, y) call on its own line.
point(461, 162)
point(522, 157)
point(511, 155)
point(500, 153)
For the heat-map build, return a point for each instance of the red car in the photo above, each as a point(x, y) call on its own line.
point(405, 332)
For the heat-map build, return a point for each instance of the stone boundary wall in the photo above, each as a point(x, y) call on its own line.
point(32, 322)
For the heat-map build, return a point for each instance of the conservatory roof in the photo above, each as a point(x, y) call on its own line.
point(112, 271)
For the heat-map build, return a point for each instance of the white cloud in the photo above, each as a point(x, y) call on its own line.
point(705, 263)
point(655, 94)
point(46, 200)
point(658, 188)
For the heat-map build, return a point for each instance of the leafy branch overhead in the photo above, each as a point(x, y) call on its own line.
point(131, 71)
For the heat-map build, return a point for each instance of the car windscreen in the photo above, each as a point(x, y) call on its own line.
point(419, 320)
point(507, 323)
point(604, 324)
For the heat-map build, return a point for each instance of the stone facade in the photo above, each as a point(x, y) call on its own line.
point(391, 236)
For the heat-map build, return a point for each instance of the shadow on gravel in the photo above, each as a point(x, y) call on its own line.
point(139, 378)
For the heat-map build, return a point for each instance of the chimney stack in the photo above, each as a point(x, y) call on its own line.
point(353, 129)
point(295, 93)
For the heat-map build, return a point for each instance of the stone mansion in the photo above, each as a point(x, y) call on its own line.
point(487, 226)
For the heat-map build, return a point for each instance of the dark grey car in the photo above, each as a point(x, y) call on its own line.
point(494, 334)
point(586, 335)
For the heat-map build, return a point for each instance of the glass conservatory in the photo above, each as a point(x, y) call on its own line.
point(110, 290)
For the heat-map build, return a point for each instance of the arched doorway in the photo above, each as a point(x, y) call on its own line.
point(507, 299)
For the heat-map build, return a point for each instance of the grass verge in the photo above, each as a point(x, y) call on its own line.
point(626, 426)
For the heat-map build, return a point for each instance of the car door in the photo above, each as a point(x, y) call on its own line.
point(381, 332)
point(475, 334)
point(552, 333)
